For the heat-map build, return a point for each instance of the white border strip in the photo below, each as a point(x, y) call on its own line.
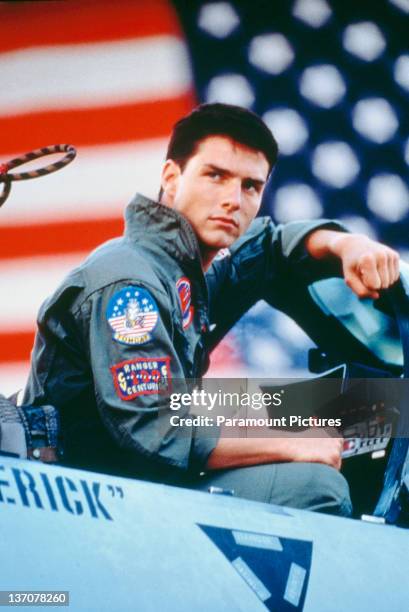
point(93, 75)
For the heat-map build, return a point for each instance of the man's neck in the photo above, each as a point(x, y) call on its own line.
point(206, 254)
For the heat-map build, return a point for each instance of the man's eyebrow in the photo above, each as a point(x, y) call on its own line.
point(226, 172)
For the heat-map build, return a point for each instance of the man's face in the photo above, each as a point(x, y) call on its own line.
point(219, 191)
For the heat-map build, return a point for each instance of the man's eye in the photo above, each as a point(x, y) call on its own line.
point(214, 175)
point(250, 187)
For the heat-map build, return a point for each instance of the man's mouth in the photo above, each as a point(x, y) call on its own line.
point(225, 220)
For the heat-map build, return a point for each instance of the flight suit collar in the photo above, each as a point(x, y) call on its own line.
point(152, 223)
point(159, 228)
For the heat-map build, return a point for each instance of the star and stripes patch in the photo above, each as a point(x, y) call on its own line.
point(132, 314)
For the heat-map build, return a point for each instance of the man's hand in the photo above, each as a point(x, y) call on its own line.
point(325, 449)
point(368, 266)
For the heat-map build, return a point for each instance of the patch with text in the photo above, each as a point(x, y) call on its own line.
point(141, 376)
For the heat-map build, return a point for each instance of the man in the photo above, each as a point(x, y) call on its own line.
point(133, 320)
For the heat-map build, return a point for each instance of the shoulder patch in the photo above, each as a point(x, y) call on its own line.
point(185, 297)
point(132, 314)
point(141, 376)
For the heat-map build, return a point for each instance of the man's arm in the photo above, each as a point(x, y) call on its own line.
point(367, 266)
point(258, 266)
point(135, 368)
point(240, 452)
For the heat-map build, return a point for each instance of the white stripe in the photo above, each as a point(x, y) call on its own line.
point(118, 322)
point(122, 326)
point(25, 284)
point(97, 74)
point(98, 183)
point(147, 326)
point(134, 334)
point(122, 319)
point(124, 331)
point(13, 376)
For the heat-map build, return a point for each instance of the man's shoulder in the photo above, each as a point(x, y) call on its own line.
point(115, 261)
point(111, 263)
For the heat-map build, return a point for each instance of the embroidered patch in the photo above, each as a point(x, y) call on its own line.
point(132, 313)
point(141, 376)
point(185, 297)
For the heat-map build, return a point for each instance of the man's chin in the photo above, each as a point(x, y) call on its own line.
point(220, 241)
point(216, 247)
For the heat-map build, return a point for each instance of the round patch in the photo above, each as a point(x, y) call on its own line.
point(183, 287)
point(132, 313)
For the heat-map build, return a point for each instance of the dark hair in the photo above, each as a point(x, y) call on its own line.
point(237, 123)
point(219, 119)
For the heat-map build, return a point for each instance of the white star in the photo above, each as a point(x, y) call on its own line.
point(145, 301)
point(115, 307)
point(136, 293)
point(120, 301)
point(128, 294)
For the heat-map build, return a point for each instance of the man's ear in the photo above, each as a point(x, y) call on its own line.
point(169, 181)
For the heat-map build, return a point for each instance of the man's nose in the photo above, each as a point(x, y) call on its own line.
point(233, 195)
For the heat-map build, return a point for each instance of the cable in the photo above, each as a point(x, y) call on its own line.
point(6, 177)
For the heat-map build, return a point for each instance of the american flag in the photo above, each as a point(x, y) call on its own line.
point(109, 77)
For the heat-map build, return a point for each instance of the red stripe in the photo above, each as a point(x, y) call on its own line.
point(83, 21)
point(92, 126)
point(122, 329)
point(119, 321)
point(16, 346)
point(146, 322)
point(60, 237)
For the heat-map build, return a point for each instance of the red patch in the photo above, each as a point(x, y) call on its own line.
point(185, 297)
point(141, 376)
